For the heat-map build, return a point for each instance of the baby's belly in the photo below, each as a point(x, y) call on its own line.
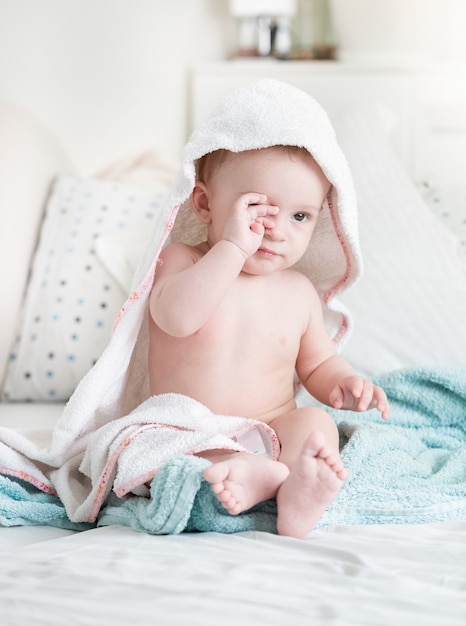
point(226, 397)
point(229, 379)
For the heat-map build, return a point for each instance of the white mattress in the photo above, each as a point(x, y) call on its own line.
point(355, 575)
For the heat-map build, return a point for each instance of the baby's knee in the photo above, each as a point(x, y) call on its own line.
point(314, 413)
point(317, 418)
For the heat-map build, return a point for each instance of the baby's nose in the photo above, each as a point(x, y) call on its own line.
point(275, 233)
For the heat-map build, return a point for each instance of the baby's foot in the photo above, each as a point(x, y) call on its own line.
point(244, 480)
point(313, 483)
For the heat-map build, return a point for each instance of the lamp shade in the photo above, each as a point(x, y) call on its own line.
point(252, 8)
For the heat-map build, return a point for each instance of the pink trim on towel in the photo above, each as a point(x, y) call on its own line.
point(39, 484)
point(149, 278)
point(141, 480)
point(106, 476)
point(333, 290)
point(275, 450)
point(341, 331)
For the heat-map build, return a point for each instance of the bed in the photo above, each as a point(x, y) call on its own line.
point(69, 246)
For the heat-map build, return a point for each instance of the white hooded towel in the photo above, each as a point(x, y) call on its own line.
point(103, 417)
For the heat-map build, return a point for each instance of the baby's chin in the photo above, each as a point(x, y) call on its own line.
point(263, 264)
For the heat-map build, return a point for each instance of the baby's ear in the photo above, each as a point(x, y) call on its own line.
point(200, 203)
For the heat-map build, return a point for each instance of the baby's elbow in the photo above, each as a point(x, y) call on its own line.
point(173, 325)
point(171, 317)
point(178, 330)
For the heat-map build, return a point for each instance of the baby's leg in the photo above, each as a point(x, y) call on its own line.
point(316, 469)
point(304, 481)
point(241, 480)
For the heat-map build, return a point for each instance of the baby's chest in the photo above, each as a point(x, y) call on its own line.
point(264, 322)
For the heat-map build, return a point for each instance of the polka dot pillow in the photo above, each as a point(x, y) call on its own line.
point(74, 293)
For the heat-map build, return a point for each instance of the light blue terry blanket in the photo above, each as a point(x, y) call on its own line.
point(411, 469)
point(21, 504)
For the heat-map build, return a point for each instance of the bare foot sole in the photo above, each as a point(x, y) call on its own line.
point(313, 483)
point(244, 480)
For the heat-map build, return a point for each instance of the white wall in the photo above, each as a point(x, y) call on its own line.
point(109, 76)
point(401, 30)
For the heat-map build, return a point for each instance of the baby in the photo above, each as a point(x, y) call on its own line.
point(233, 322)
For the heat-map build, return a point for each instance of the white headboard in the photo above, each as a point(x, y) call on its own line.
point(425, 107)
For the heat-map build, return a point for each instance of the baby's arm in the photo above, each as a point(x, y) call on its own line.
point(328, 376)
point(189, 285)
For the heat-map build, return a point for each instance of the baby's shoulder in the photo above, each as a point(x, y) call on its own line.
point(174, 258)
point(297, 280)
point(179, 252)
point(179, 248)
point(300, 292)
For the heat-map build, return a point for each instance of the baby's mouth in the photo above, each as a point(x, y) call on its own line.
point(266, 252)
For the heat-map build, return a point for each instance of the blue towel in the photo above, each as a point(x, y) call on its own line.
point(411, 469)
point(21, 504)
point(181, 500)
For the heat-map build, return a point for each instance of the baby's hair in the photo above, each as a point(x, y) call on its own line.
point(208, 163)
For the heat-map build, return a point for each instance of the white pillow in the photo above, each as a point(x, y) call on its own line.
point(410, 305)
point(75, 291)
point(30, 156)
point(448, 203)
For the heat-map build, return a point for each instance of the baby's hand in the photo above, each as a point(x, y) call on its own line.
point(247, 222)
point(358, 394)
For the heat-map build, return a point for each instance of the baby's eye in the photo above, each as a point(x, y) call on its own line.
point(300, 217)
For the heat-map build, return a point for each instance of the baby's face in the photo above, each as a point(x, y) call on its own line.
point(292, 182)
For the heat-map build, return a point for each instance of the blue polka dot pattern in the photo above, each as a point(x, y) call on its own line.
point(73, 296)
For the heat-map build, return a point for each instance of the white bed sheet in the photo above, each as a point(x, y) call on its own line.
point(374, 576)
point(362, 575)
point(19, 415)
